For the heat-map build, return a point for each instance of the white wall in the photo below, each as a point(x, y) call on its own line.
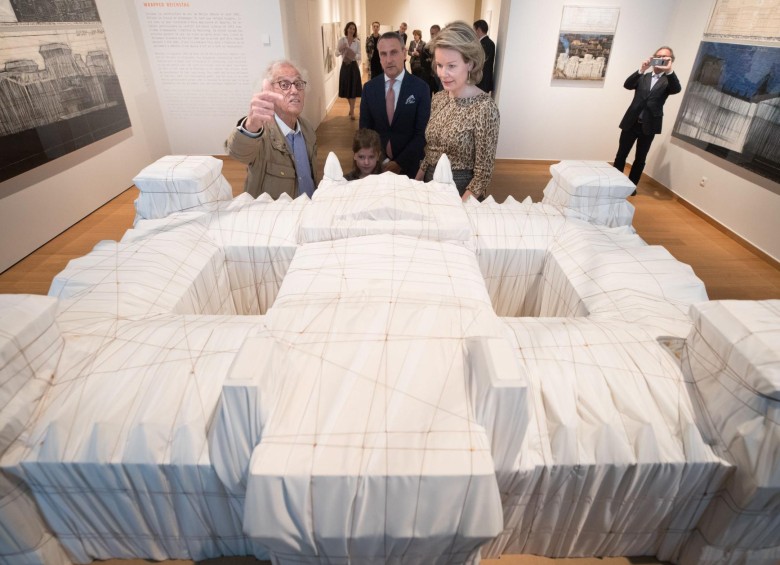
point(39, 204)
point(419, 15)
point(545, 120)
point(206, 73)
point(490, 11)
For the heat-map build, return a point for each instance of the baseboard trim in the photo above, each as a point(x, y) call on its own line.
point(713, 222)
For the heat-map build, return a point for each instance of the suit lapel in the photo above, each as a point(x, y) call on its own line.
point(647, 80)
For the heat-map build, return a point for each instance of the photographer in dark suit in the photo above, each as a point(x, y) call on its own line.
point(396, 105)
point(644, 116)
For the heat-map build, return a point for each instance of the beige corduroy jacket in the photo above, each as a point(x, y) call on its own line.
point(271, 166)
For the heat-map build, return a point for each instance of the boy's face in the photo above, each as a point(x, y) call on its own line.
point(366, 159)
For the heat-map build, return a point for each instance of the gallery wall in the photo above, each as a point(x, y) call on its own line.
point(38, 205)
point(540, 120)
point(572, 120)
point(207, 59)
point(304, 19)
point(546, 119)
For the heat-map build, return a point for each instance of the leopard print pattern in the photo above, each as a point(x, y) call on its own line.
point(466, 129)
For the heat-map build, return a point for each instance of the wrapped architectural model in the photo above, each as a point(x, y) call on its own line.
point(383, 374)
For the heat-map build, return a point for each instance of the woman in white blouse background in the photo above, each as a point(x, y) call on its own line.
point(350, 85)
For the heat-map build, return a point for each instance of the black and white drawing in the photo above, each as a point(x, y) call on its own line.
point(59, 90)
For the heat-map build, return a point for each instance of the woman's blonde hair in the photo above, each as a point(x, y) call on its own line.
point(460, 37)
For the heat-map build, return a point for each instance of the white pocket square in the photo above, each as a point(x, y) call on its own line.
point(411, 99)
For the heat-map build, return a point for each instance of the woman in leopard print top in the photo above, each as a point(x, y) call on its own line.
point(464, 120)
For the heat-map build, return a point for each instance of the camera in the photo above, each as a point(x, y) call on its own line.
point(658, 62)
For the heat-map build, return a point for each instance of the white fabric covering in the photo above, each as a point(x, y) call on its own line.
point(179, 271)
point(180, 182)
point(613, 463)
point(607, 274)
point(393, 205)
point(732, 357)
point(118, 460)
point(512, 240)
point(379, 410)
point(593, 189)
point(30, 349)
point(259, 239)
point(380, 376)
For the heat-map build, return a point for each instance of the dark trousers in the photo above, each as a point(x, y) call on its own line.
point(627, 139)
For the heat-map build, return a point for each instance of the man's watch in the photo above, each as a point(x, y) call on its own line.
point(240, 127)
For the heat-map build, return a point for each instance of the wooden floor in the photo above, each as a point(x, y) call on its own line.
point(728, 269)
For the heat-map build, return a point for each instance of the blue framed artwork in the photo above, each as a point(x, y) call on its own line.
point(731, 106)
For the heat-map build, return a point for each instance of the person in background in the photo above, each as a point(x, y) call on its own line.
point(416, 51)
point(350, 84)
point(464, 119)
point(372, 53)
point(278, 146)
point(481, 29)
point(396, 105)
point(429, 74)
point(367, 154)
point(644, 116)
point(402, 33)
point(404, 38)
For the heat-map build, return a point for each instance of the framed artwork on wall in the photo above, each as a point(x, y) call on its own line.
point(58, 87)
point(585, 42)
point(731, 106)
point(330, 40)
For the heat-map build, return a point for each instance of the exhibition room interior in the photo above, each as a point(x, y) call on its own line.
point(563, 313)
point(542, 120)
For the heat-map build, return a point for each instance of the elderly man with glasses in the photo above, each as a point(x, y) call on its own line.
point(278, 146)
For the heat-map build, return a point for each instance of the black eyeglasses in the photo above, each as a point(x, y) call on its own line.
point(286, 84)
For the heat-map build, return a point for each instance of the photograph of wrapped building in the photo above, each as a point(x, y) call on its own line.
point(582, 56)
point(731, 107)
point(58, 91)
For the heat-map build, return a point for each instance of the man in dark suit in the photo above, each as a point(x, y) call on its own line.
point(481, 29)
point(373, 53)
point(644, 116)
point(402, 33)
point(396, 105)
point(427, 63)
